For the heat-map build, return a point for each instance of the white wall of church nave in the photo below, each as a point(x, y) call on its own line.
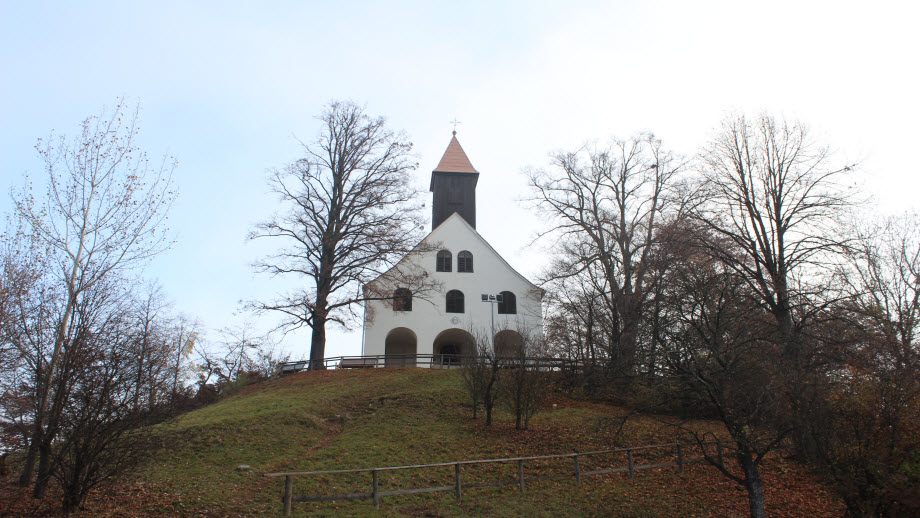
point(491, 275)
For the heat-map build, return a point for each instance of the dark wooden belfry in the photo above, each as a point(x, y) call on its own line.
point(453, 184)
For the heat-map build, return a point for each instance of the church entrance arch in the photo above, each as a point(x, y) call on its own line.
point(400, 348)
point(508, 344)
point(452, 344)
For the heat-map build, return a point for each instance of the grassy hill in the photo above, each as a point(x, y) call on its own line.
point(386, 417)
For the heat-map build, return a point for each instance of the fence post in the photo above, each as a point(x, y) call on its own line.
point(374, 493)
point(632, 472)
point(577, 473)
point(521, 474)
point(288, 494)
point(680, 459)
point(457, 479)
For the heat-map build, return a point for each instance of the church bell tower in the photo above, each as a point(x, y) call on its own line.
point(453, 183)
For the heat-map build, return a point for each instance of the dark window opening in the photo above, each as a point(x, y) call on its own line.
point(455, 301)
point(465, 262)
point(444, 261)
point(450, 354)
point(402, 300)
point(508, 304)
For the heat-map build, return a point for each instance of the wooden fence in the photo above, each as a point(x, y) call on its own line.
point(435, 361)
point(457, 486)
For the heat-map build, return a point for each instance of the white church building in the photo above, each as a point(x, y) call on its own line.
point(463, 269)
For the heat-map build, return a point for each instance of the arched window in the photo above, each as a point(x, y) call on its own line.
point(444, 260)
point(508, 305)
point(465, 261)
point(402, 300)
point(455, 301)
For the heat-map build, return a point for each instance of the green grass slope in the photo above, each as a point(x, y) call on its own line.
point(386, 417)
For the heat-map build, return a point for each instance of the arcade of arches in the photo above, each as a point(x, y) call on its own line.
point(402, 346)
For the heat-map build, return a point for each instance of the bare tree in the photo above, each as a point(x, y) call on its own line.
point(238, 346)
point(349, 214)
point(96, 443)
point(771, 193)
point(27, 326)
point(869, 419)
point(96, 390)
point(151, 349)
point(606, 206)
point(524, 385)
point(481, 373)
point(576, 328)
point(867, 429)
point(19, 278)
point(883, 280)
point(110, 356)
point(104, 213)
point(240, 356)
point(721, 354)
point(184, 334)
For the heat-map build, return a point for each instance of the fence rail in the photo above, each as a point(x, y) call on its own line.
point(438, 361)
point(458, 486)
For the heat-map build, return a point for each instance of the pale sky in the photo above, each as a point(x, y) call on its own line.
point(229, 87)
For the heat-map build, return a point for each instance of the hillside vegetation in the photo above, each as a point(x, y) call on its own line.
point(386, 417)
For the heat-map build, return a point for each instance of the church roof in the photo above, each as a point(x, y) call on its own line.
point(454, 159)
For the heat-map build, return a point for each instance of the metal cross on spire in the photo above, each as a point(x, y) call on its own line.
point(455, 122)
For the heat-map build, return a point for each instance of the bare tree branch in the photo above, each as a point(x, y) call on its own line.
point(349, 216)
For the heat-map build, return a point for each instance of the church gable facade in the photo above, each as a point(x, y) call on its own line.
point(463, 267)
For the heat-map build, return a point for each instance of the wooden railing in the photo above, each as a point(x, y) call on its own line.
point(438, 361)
point(457, 486)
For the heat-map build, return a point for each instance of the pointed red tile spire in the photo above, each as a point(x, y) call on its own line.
point(454, 159)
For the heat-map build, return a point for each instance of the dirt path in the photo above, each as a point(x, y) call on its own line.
point(334, 427)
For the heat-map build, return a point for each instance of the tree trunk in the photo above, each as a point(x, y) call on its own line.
point(49, 434)
point(798, 385)
point(41, 435)
point(72, 493)
point(754, 485)
point(139, 381)
point(318, 343)
point(29, 466)
point(70, 507)
point(44, 469)
point(489, 395)
point(488, 402)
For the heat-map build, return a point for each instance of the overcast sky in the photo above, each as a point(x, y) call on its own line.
point(228, 89)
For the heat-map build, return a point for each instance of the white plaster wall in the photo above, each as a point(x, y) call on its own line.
point(491, 275)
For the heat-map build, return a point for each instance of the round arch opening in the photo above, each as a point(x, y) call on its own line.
point(450, 345)
point(400, 348)
point(508, 344)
